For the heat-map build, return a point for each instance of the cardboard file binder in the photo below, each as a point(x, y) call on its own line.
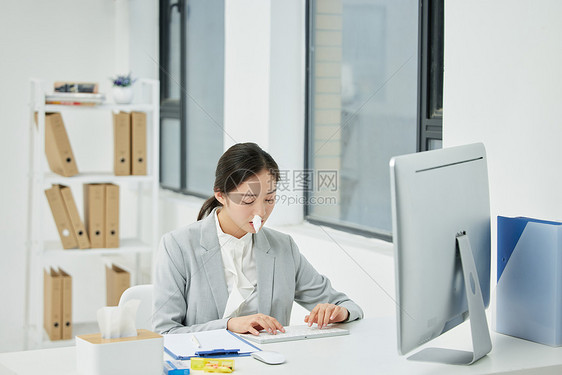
point(57, 146)
point(78, 226)
point(111, 215)
point(66, 305)
point(138, 143)
point(122, 144)
point(94, 213)
point(529, 293)
point(52, 294)
point(117, 281)
point(62, 219)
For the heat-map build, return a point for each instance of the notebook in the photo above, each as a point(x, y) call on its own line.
point(298, 332)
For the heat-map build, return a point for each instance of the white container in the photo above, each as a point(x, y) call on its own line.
point(139, 355)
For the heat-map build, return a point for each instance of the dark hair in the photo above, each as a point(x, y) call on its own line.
point(236, 165)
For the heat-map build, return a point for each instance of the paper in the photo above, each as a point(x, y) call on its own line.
point(181, 345)
point(118, 321)
point(256, 222)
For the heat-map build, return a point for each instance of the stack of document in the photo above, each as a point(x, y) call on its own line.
point(71, 98)
point(215, 343)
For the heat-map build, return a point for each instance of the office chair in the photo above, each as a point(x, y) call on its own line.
point(144, 313)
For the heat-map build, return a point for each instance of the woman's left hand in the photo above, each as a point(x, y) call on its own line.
point(325, 313)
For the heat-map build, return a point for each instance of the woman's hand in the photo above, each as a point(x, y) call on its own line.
point(254, 324)
point(325, 313)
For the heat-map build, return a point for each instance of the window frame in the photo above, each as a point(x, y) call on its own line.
point(427, 128)
point(175, 108)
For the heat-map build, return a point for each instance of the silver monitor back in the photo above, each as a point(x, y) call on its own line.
point(436, 195)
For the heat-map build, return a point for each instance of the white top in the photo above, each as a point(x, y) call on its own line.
point(369, 348)
point(240, 273)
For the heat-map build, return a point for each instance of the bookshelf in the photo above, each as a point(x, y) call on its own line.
point(140, 241)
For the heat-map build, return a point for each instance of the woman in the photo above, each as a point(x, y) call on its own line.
point(226, 271)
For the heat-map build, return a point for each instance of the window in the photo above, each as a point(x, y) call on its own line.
point(431, 75)
point(362, 107)
point(192, 90)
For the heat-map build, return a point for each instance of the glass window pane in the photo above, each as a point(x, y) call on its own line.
point(174, 61)
point(170, 153)
point(363, 106)
point(205, 92)
point(434, 144)
point(436, 35)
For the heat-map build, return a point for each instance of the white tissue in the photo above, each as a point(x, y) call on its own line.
point(256, 222)
point(118, 321)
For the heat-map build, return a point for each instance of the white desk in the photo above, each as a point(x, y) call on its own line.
point(369, 349)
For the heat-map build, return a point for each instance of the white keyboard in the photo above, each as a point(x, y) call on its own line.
point(292, 333)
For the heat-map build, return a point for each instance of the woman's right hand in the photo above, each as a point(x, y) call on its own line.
point(254, 323)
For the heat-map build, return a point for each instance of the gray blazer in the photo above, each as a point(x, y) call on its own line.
point(190, 291)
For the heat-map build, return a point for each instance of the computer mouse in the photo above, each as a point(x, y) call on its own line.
point(271, 358)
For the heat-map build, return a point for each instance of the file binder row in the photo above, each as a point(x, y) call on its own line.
point(129, 136)
point(117, 280)
point(57, 146)
point(71, 229)
point(57, 314)
point(101, 214)
point(57, 284)
point(101, 211)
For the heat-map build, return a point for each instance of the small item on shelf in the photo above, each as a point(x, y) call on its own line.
point(122, 90)
point(57, 302)
point(74, 98)
point(57, 146)
point(85, 87)
point(52, 302)
point(111, 216)
point(77, 224)
point(138, 143)
point(122, 144)
point(66, 304)
point(94, 213)
point(62, 219)
point(117, 281)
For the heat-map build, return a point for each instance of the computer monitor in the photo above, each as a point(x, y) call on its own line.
point(441, 235)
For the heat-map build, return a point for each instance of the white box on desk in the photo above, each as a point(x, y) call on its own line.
point(141, 354)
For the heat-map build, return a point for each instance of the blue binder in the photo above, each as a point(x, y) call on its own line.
point(529, 289)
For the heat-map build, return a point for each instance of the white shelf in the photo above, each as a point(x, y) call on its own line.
point(93, 177)
point(42, 251)
point(127, 246)
point(97, 107)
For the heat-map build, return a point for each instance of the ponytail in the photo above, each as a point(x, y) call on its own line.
point(208, 207)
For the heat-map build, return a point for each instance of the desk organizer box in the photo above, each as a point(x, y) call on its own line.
point(142, 354)
point(529, 289)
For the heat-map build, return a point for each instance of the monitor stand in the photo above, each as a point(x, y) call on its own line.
point(481, 342)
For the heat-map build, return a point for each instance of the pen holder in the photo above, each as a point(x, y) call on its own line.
point(141, 354)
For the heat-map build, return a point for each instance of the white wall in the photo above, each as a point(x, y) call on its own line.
point(265, 85)
point(57, 40)
point(503, 87)
point(40, 40)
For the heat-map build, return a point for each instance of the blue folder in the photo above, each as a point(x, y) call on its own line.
point(528, 293)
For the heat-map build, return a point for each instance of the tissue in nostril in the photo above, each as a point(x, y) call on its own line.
point(256, 222)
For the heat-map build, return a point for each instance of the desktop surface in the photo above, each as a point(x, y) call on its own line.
point(370, 348)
